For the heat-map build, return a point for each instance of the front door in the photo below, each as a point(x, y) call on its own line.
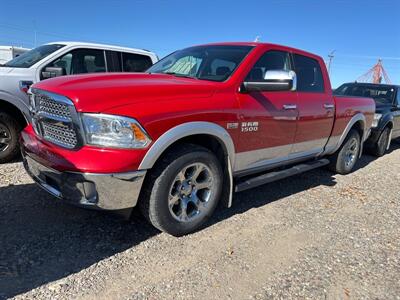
point(268, 121)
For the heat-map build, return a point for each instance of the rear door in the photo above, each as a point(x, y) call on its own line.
point(315, 105)
point(396, 116)
point(268, 120)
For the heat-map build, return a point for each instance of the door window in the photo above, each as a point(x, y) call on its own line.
point(309, 75)
point(81, 61)
point(135, 62)
point(271, 60)
point(63, 62)
point(114, 61)
point(398, 97)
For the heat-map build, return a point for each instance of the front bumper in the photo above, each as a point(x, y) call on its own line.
point(116, 191)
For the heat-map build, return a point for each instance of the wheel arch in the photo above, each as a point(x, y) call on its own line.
point(387, 120)
point(357, 122)
point(13, 111)
point(209, 135)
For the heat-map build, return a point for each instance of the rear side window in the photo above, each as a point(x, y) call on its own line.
point(309, 74)
point(271, 60)
point(135, 62)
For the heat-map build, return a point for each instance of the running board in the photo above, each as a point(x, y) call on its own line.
point(277, 175)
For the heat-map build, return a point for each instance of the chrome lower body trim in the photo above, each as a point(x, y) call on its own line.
point(98, 191)
point(275, 156)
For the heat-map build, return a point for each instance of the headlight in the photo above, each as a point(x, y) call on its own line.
point(375, 122)
point(32, 103)
point(114, 131)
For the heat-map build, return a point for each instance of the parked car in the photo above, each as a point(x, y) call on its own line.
point(386, 125)
point(52, 60)
point(202, 123)
point(7, 53)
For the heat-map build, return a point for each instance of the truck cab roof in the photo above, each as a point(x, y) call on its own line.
point(96, 45)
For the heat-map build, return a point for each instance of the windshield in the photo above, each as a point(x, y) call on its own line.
point(381, 94)
point(214, 63)
point(31, 57)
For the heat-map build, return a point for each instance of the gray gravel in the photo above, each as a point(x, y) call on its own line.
point(314, 236)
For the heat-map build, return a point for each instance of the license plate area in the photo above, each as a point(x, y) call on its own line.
point(45, 177)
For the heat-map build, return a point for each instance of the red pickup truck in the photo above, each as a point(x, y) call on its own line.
point(200, 124)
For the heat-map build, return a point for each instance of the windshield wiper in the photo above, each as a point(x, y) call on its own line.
point(180, 75)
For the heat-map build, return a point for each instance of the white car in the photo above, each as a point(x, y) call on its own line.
point(52, 60)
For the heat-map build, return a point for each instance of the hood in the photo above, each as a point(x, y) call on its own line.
point(5, 70)
point(101, 92)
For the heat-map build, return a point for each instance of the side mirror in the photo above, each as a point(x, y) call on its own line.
point(274, 80)
point(50, 72)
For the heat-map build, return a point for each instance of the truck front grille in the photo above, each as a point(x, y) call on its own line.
point(59, 135)
point(55, 119)
point(53, 108)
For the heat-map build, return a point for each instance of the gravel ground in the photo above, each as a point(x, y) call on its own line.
point(314, 236)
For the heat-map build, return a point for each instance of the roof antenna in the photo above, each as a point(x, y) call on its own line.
point(257, 39)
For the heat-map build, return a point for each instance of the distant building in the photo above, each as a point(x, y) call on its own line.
point(9, 52)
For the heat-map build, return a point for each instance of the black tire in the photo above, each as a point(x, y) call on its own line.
point(380, 147)
point(165, 183)
point(9, 138)
point(341, 162)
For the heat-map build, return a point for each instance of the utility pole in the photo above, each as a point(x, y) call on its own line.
point(35, 33)
point(330, 56)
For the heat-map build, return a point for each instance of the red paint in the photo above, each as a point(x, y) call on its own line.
point(160, 102)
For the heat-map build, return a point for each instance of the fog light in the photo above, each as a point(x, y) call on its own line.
point(89, 188)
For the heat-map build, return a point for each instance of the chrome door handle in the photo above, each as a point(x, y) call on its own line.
point(289, 106)
point(329, 106)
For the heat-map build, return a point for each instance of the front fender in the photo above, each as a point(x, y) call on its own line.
point(184, 130)
point(17, 102)
point(384, 121)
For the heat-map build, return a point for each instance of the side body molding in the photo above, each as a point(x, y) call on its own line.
point(334, 143)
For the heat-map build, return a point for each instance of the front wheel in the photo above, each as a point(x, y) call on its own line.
point(9, 132)
point(344, 160)
point(183, 190)
point(382, 144)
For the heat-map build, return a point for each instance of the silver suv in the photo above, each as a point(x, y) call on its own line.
point(52, 60)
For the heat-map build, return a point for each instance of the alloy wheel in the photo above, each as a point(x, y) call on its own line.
point(351, 153)
point(190, 192)
point(5, 137)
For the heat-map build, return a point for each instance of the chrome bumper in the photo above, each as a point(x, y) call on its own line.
point(99, 191)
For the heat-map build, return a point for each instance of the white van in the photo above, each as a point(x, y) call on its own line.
point(52, 60)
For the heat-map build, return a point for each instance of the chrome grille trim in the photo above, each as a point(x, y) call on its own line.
point(52, 108)
point(59, 135)
point(55, 119)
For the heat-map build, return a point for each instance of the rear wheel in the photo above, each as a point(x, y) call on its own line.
point(380, 147)
point(344, 160)
point(183, 190)
point(9, 132)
